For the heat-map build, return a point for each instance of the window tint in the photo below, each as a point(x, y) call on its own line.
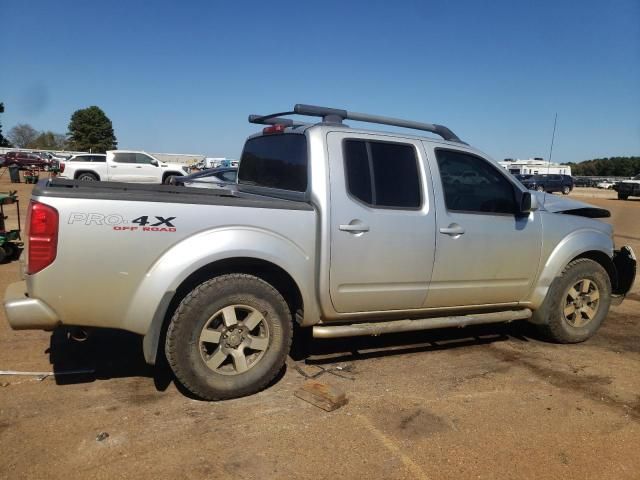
point(124, 157)
point(382, 174)
point(472, 184)
point(142, 158)
point(275, 161)
point(229, 176)
point(98, 158)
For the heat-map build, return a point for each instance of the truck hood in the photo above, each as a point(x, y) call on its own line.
point(556, 204)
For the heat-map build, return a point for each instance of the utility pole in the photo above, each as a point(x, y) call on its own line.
point(553, 136)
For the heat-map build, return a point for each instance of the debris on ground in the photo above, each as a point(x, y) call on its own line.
point(102, 436)
point(318, 370)
point(322, 395)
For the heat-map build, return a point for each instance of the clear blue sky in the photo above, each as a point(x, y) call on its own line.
point(183, 76)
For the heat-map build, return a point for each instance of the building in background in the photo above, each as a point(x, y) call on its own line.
point(534, 166)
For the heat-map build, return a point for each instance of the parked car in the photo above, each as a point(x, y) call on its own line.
point(215, 177)
point(629, 188)
point(121, 166)
point(606, 184)
point(26, 160)
point(344, 231)
point(549, 183)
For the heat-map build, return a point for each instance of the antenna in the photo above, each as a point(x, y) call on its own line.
point(553, 136)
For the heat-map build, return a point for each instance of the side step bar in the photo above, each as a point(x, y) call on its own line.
point(380, 328)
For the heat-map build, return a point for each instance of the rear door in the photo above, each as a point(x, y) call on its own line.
point(382, 223)
point(485, 252)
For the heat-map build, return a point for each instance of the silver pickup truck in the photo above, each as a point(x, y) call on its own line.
point(343, 230)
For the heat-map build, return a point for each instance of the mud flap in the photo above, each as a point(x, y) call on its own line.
point(625, 263)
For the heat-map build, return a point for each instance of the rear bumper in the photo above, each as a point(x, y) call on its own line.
point(24, 313)
point(626, 265)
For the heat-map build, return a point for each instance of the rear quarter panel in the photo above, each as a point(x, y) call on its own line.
point(112, 272)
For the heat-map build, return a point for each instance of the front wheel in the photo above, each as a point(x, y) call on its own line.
point(622, 196)
point(566, 190)
point(540, 188)
point(229, 337)
point(169, 180)
point(576, 304)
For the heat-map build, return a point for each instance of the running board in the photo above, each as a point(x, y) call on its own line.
point(394, 326)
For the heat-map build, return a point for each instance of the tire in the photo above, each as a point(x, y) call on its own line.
point(555, 318)
point(87, 177)
point(622, 196)
point(540, 188)
point(3, 254)
point(566, 190)
point(169, 180)
point(204, 347)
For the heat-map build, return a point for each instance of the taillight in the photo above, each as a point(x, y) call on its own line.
point(278, 128)
point(61, 167)
point(43, 236)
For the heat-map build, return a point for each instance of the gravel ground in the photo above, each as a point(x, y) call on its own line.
point(494, 402)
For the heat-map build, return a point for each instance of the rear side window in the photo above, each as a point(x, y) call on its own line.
point(382, 174)
point(275, 161)
point(98, 158)
point(124, 157)
point(471, 184)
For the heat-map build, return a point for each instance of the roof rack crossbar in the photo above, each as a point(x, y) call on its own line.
point(335, 115)
point(276, 120)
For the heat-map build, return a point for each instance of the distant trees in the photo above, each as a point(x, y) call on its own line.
point(607, 167)
point(49, 141)
point(22, 135)
point(91, 130)
point(3, 141)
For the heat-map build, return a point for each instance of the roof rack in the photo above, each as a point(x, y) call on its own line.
point(276, 120)
point(336, 115)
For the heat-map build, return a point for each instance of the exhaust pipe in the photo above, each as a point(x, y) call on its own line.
point(395, 326)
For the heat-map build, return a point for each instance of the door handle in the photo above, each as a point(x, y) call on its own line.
point(355, 228)
point(114, 166)
point(454, 230)
point(138, 167)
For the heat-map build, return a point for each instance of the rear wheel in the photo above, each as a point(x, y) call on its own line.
point(577, 302)
point(622, 196)
point(229, 337)
point(540, 188)
point(3, 254)
point(87, 177)
point(566, 190)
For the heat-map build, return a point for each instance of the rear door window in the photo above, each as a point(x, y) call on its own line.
point(275, 161)
point(383, 174)
point(122, 157)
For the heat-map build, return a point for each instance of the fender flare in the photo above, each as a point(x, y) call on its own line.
point(572, 246)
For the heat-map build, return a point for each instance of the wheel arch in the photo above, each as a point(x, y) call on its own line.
point(86, 170)
point(170, 173)
point(585, 243)
point(268, 271)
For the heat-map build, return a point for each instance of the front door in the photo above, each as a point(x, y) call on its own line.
point(382, 223)
point(485, 252)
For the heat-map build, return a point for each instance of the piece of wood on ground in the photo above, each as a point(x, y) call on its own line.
point(322, 395)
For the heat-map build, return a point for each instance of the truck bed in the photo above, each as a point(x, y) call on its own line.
point(63, 188)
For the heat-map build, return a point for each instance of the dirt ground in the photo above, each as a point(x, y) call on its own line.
point(494, 402)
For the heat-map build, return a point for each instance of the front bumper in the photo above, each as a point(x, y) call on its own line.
point(24, 313)
point(626, 265)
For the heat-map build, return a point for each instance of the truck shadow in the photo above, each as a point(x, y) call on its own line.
point(105, 354)
point(108, 354)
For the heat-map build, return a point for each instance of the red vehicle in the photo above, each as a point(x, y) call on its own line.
point(26, 160)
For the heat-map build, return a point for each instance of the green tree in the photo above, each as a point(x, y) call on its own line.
point(22, 135)
point(49, 141)
point(90, 129)
point(3, 141)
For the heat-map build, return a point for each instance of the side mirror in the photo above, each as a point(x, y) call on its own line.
point(155, 163)
point(528, 203)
